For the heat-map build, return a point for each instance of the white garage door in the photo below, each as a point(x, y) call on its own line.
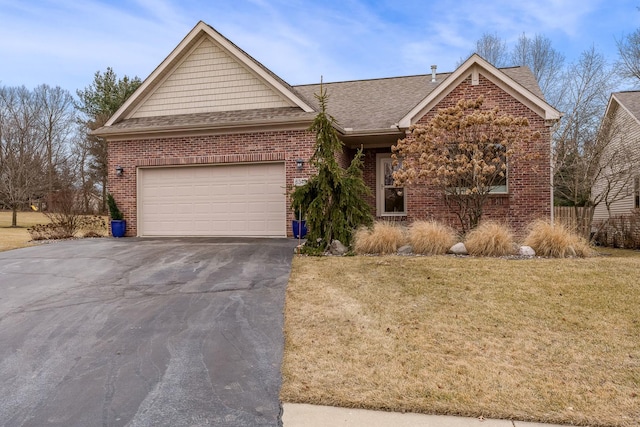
point(225, 200)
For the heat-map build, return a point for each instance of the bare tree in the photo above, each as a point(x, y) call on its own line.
point(629, 51)
point(22, 150)
point(584, 152)
point(81, 160)
point(56, 122)
point(546, 63)
point(492, 48)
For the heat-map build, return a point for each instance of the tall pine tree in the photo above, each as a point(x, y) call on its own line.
point(334, 199)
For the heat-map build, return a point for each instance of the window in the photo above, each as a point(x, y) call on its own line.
point(460, 160)
point(391, 200)
point(636, 192)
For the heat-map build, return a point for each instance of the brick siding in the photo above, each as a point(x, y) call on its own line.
point(529, 184)
point(286, 146)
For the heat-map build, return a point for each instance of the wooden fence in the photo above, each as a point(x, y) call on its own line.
point(576, 219)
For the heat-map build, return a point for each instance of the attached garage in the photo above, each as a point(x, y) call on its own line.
point(246, 200)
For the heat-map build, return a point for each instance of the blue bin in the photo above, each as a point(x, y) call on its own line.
point(299, 228)
point(118, 228)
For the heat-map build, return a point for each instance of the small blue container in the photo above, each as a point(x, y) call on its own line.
point(118, 227)
point(299, 228)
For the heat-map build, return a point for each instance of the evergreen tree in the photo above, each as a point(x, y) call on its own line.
point(333, 199)
point(97, 103)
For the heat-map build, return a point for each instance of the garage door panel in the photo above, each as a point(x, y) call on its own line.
point(227, 200)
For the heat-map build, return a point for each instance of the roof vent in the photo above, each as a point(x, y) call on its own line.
point(433, 73)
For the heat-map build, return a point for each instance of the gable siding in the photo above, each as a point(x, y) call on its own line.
point(209, 80)
point(628, 134)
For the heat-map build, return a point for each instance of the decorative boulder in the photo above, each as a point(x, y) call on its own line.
point(459, 249)
point(405, 250)
point(526, 251)
point(337, 248)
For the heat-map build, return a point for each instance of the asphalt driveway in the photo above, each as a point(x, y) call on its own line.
point(143, 332)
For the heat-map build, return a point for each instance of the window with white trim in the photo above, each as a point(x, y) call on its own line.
point(390, 199)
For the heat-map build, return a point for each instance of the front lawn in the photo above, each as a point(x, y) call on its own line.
point(18, 237)
point(535, 340)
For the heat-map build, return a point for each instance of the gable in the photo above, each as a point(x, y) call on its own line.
point(493, 96)
point(209, 80)
point(628, 101)
point(472, 70)
point(207, 74)
point(622, 124)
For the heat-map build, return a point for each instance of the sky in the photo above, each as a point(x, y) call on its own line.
point(64, 42)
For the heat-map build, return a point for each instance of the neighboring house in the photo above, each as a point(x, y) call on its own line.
point(619, 187)
point(212, 141)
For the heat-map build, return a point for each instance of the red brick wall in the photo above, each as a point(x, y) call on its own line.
point(529, 185)
point(286, 146)
point(528, 182)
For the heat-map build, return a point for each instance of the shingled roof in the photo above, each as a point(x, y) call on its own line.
point(630, 100)
point(360, 106)
point(203, 121)
point(381, 103)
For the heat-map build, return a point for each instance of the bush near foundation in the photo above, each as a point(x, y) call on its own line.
point(383, 238)
point(556, 241)
point(431, 237)
point(490, 238)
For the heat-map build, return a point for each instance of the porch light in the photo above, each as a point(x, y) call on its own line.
point(119, 170)
point(299, 164)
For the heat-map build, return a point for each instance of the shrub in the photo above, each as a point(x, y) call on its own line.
point(114, 212)
point(49, 231)
point(556, 241)
point(431, 237)
point(621, 231)
point(383, 238)
point(64, 213)
point(93, 226)
point(490, 238)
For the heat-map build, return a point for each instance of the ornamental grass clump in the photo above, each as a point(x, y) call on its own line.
point(556, 241)
point(490, 238)
point(431, 237)
point(383, 238)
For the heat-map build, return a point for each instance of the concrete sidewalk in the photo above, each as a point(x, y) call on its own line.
point(303, 415)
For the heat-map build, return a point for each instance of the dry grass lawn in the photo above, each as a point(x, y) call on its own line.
point(18, 237)
point(535, 340)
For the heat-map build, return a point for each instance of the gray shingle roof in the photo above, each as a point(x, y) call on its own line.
point(631, 101)
point(203, 120)
point(381, 103)
point(372, 104)
point(360, 105)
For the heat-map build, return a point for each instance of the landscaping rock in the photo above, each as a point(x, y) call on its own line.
point(337, 248)
point(459, 249)
point(405, 250)
point(526, 251)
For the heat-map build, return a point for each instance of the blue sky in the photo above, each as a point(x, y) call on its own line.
point(64, 42)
